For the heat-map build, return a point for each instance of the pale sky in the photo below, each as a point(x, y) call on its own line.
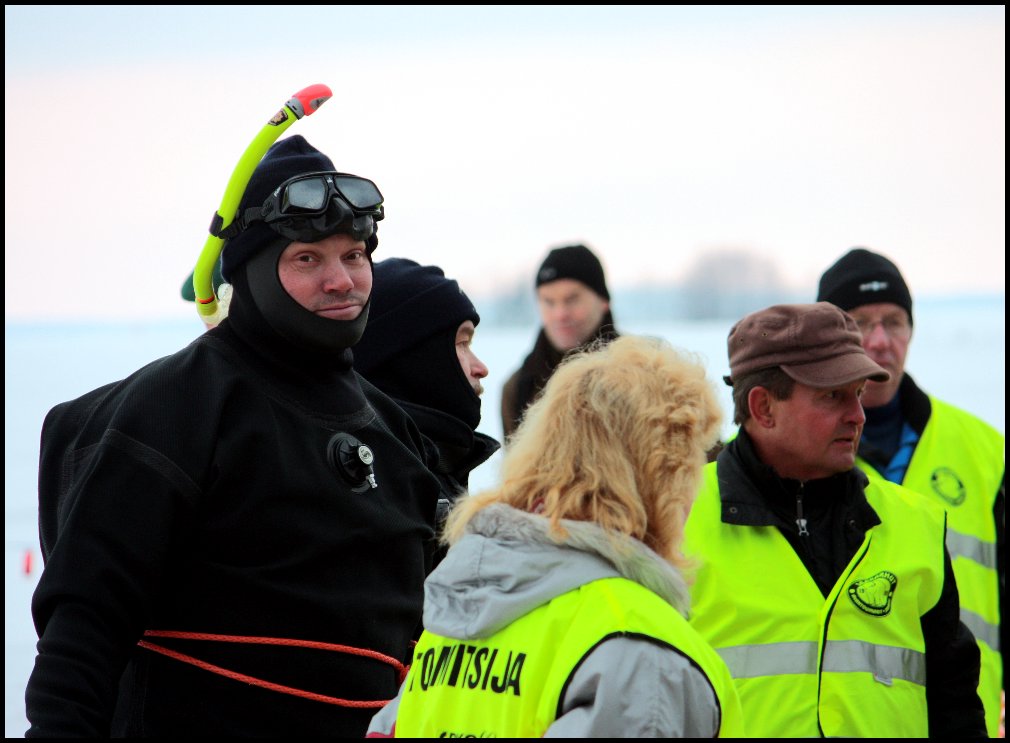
point(654, 134)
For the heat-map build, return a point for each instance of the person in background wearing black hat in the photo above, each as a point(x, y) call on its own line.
point(934, 448)
point(830, 597)
point(574, 309)
point(417, 349)
point(236, 536)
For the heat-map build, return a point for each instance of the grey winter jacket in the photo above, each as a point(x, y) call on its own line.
point(508, 564)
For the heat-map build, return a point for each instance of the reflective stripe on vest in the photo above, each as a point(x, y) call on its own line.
point(516, 686)
point(842, 656)
point(971, 548)
point(984, 631)
point(851, 664)
point(959, 463)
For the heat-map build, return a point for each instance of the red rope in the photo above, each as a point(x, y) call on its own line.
point(400, 667)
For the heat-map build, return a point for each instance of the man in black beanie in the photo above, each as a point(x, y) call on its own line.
point(417, 349)
point(930, 446)
point(236, 536)
point(574, 309)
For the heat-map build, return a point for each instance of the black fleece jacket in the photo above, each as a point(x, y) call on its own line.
point(525, 384)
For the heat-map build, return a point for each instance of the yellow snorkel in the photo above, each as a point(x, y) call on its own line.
point(303, 103)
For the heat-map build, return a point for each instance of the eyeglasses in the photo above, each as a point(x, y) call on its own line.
point(311, 205)
point(895, 326)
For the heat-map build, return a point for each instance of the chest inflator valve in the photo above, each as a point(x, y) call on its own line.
point(353, 460)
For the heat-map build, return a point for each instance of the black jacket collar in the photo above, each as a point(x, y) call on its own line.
point(915, 410)
point(460, 448)
point(753, 494)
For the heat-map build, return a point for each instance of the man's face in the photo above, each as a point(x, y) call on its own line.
point(814, 433)
point(887, 331)
point(570, 312)
point(473, 367)
point(331, 277)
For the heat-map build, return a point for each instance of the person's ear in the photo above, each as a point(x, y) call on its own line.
point(761, 406)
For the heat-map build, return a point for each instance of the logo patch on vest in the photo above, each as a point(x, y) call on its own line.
point(873, 595)
point(948, 486)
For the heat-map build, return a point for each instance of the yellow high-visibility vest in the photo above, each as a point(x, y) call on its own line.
point(852, 664)
point(959, 463)
point(511, 683)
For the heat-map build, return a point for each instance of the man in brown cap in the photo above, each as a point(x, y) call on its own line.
point(831, 599)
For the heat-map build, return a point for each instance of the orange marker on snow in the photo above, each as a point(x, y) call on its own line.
point(28, 562)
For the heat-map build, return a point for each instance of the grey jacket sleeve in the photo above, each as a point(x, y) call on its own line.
point(383, 724)
point(629, 687)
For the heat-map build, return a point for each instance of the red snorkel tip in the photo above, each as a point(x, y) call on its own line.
point(307, 100)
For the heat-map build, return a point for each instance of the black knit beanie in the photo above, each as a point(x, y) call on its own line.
point(574, 262)
point(863, 277)
point(408, 348)
point(285, 159)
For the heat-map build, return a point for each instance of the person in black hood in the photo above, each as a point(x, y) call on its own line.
point(417, 349)
point(236, 535)
point(574, 306)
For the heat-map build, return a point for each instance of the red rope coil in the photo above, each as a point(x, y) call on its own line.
point(328, 646)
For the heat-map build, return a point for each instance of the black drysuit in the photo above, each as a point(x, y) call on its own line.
point(198, 496)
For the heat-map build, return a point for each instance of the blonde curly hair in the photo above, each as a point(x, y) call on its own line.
point(618, 437)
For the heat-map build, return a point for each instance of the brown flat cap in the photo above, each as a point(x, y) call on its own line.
point(818, 345)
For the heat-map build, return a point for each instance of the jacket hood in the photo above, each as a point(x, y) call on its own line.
point(508, 563)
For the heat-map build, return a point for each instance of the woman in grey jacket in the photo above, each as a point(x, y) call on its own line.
point(560, 609)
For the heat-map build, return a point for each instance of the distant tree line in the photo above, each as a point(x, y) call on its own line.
point(722, 284)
